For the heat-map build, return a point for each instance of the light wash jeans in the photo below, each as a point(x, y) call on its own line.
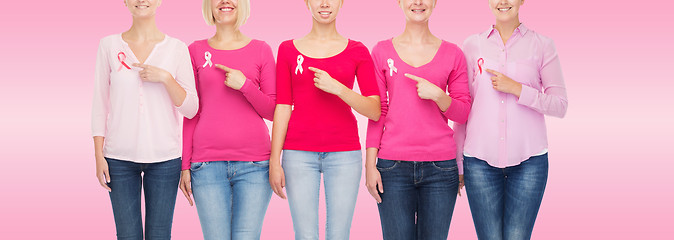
point(231, 198)
point(341, 177)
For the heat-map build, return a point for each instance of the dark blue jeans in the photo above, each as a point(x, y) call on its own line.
point(160, 184)
point(505, 201)
point(418, 198)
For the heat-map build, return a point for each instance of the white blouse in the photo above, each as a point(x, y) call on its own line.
point(138, 119)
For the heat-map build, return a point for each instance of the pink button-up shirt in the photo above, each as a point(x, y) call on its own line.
point(502, 129)
point(138, 119)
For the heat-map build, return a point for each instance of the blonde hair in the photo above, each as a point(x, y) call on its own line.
point(242, 10)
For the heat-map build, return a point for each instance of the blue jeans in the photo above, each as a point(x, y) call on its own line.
point(418, 198)
point(505, 201)
point(341, 177)
point(231, 198)
point(160, 184)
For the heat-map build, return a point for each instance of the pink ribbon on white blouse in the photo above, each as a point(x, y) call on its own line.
point(122, 57)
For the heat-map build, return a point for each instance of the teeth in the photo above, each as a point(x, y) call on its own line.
point(504, 9)
point(419, 10)
point(226, 9)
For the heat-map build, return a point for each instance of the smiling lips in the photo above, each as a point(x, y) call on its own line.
point(325, 13)
point(226, 9)
point(503, 9)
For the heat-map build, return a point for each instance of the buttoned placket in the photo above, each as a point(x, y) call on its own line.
point(503, 97)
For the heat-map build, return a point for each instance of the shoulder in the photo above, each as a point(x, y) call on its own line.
point(198, 44)
point(287, 44)
point(544, 41)
point(285, 48)
point(472, 41)
point(358, 50)
point(451, 47)
point(174, 42)
point(259, 44)
point(382, 47)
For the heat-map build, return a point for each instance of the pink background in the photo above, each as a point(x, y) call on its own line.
point(610, 175)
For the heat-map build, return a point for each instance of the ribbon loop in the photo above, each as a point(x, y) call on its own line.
point(391, 68)
point(300, 60)
point(480, 62)
point(207, 56)
point(122, 57)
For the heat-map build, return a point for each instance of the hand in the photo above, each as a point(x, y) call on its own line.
point(373, 183)
point(153, 74)
point(102, 172)
point(503, 83)
point(323, 81)
point(233, 78)
point(461, 184)
point(186, 185)
point(426, 89)
point(277, 180)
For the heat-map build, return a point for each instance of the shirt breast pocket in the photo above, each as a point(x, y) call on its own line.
point(526, 71)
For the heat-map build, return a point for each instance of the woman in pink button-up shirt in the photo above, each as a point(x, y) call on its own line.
point(515, 79)
point(143, 84)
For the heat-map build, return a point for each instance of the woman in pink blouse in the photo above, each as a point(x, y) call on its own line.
point(515, 79)
point(226, 145)
point(143, 83)
point(422, 84)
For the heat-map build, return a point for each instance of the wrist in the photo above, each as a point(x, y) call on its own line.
point(342, 90)
point(167, 80)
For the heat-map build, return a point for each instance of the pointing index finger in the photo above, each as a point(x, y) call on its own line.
point(316, 70)
point(415, 78)
point(140, 65)
point(492, 72)
point(225, 68)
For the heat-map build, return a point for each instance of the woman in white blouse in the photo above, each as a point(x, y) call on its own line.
point(143, 84)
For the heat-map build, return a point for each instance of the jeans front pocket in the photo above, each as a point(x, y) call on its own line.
point(263, 164)
point(449, 165)
point(386, 165)
point(196, 166)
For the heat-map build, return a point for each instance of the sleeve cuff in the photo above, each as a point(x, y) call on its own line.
point(247, 86)
point(527, 96)
point(189, 107)
point(459, 164)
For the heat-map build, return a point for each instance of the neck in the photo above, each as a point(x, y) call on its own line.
point(416, 32)
point(507, 28)
point(324, 31)
point(227, 33)
point(144, 29)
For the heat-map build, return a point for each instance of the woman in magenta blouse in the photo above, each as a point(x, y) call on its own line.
point(415, 180)
point(515, 80)
point(314, 125)
point(226, 145)
point(143, 87)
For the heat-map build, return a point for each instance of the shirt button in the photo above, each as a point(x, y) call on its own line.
point(502, 101)
point(502, 139)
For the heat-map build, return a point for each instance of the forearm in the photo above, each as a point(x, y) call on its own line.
point(263, 103)
point(279, 130)
point(98, 145)
point(175, 91)
point(443, 101)
point(369, 106)
point(371, 157)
